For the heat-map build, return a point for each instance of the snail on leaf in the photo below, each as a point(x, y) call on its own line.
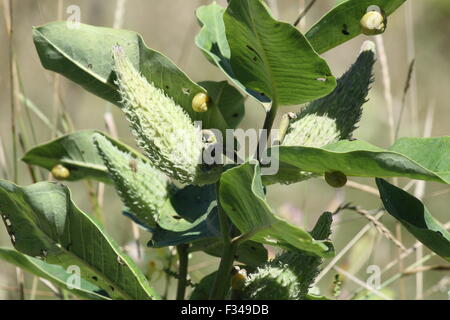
point(59, 172)
point(373, 22)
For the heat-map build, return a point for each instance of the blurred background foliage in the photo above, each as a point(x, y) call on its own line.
point(170, 26)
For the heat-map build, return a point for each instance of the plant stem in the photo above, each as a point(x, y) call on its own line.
point(267, 127)
point(183, 252)
point(12, 89)
point(223, 277)
point(270, 118)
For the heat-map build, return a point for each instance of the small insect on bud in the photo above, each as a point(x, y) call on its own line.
point(335, 179)
point(59, 172)
point(372, 23)
point(200, 102)
point(238, 279)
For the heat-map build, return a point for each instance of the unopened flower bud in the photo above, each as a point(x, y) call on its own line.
point(142, 188)
point(163, 129)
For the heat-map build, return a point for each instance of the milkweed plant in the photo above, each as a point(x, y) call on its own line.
point(190, 187)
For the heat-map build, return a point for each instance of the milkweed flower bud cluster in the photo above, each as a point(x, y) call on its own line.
point(143, 189)
point(334, 117)
point(162, 128)
point(290, 275)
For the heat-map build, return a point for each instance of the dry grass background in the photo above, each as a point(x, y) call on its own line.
point(170, 26)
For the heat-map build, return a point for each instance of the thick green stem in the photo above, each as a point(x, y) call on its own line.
point(268, 123)
point(223, 278)
point(183, 261)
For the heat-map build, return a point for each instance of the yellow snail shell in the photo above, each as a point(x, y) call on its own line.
point(59, 172)
point(200, 102)
point(372, 23)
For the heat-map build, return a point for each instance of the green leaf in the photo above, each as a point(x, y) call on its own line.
point(341, 23)
point(189, 215)
point(84, 55)
point(273, 57)
point(227, 100)
point(431, 153)
point(78, 153)
point(197, 208)
point(42, 221)
point(411, 212)
point(203, 288)
point(250, 253)
point(415, 158)
point(242, 198)
point(213, 42)
point(206, 227)
point(54, 273)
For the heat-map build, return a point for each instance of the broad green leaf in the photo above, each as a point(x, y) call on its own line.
point(406, 158)
point(203, 288)
point(197, 223)
point(43, 222)
point(273, 57)
point(54, 273)
point(206, 227)
point(431, 153)
point(342, 22)
point(250, 253)
point(84, 55)
point(411, 212)
point(189, 215)
point(242, 198)
point(213, 42)
point(227, 100)
point(77, 152)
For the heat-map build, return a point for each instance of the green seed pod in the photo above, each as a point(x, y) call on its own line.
point(142, 188)
point(162, 128)
point(200, 102)
point(333, 117)
point(372, 23)
point(335, 179)
point(290, 275)
point(59, 172)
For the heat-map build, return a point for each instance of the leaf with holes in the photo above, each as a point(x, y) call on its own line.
point(78, 153)
point(242, 198)
point(52, 272)
point(227, 100)
point(43, 222)
point(415, 158)
point(341, 23)
point(213, 42)
point(87, 60)
point(273, 57)
point(411, 212)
